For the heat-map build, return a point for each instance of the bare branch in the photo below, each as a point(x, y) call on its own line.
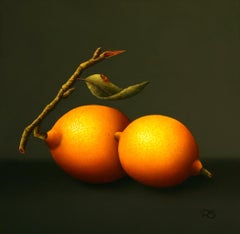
point(64, 92)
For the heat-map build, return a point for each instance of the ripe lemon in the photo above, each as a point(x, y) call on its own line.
point(82, 143)
point(159, 151)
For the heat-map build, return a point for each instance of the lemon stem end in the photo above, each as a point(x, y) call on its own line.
point(205, 173)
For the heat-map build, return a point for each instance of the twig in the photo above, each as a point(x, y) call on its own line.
point(64, 92)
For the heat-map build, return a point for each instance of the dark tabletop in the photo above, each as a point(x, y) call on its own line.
point(38, 197)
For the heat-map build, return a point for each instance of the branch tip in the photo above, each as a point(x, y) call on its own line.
point(21, 150)
point(111, 53)
point(97, 52)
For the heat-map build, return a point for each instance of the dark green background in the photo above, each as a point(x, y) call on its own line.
point(188, 50)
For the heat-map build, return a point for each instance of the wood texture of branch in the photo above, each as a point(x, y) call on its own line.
point(64, 92)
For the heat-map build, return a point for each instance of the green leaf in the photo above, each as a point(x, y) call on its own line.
point(101, 87)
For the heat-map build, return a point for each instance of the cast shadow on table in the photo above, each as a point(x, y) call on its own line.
point(24, 174)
